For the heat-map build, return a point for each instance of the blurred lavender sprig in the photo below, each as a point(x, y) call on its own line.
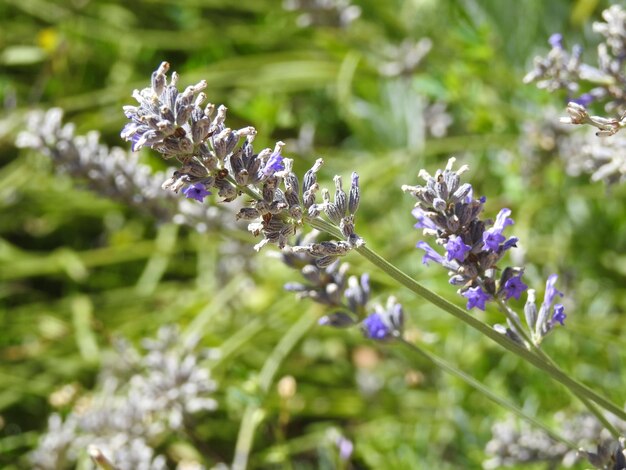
point(112, 172)
point(216, 158)
point(545, 139)
point(515, 443)
point(606, 82)
point(141, 399)
point(583, 153)
point(447, 210)
point(333, 13)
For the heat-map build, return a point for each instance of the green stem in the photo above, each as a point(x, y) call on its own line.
point(539, 362)
point(450, 369)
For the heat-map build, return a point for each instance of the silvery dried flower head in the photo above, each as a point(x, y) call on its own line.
point(119, 175)
point(139, 401)
point(603, 158)
point(447, 210)
point(404, 59)
point(582, 152)
point(606, 83)
point(335, 13)
point(217, 159)
point(112, 172)
point(513, 442)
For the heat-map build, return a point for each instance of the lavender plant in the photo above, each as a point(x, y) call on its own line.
point(141, 399)
point(446, 209)
point(218, 162)
point(215, 158)
point(604, 83)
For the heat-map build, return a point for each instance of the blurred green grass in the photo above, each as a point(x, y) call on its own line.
point(77, 269)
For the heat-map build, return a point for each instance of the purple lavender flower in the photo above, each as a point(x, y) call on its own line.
point(556, 40)
point(514, 287)
point(551, 291)
point(196, 191)
point(510, 243)
point(559, 315)
point(346, 447)
point(456, 249)
point(423, 221)
point(493, 236)
point(547, 317)
point(585, 99)
point(274, 163)
point(475, 298)
point(431, 255)
point(375, 327)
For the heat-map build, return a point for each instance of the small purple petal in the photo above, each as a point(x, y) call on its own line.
point(274, 163)
point(134, 142)
point(375, 327)
point(423, 221)
point(556, 40)
point(196, 191)
point(431, 255)
point(475, 298)
point(510, 243)
point(346, 447)
point(492, 240)
point(551, 291)
point(456, 249)
point(514, 287)
point(493, 236)
point(559, 315)
point(584, 100)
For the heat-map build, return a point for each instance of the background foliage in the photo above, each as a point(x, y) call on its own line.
point(77, 269)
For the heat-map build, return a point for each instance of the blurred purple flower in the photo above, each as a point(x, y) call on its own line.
point(556, 40)
point(559, 315)
point(375, 327)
